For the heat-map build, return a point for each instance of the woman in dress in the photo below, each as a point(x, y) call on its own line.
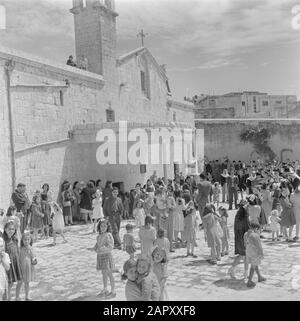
point(254, 209)
point(86, 201)
point(58, 223)
point(147, 235)
point(37, 216)
point(179, 219)
point(212, 233)
point(12, 249)
point(267, 200)
point(107, 192)
point(97, 209)
point(4, 267)
point(28, 262)
point(241, 226)
point(76, 200)
point(46, 210)
point(287, 215)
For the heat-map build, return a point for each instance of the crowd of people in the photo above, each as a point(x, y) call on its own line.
point(167, 215)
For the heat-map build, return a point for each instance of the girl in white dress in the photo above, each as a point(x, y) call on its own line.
point(139, 214)
point(97, 209)
point(179, 219)
point(4, 267)
point(58, 223)
point(274, 221)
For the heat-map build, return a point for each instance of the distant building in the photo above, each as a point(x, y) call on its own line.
point(246, 104)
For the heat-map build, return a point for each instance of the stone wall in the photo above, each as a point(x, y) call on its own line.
point(82, 151)
point(45, 109)
point(221, 138)
point(211, 113)
point(184, 111)
point(49, 99)
point(133, 100)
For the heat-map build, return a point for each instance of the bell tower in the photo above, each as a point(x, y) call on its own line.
point(95, 35)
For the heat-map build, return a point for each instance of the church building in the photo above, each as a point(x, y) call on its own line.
point(51, 113)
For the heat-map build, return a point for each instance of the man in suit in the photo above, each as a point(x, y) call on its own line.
point(113, 210)
point(21, 201)
point(204, 193)
point(294, 179)
point(232, 185)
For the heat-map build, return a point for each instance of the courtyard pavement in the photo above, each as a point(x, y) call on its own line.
point(67, 272)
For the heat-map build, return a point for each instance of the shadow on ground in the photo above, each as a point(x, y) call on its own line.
point(197, 263)
point(238, 284)
point(224, 264)
point(294, 245)
point(272, 243)
point(47, 245)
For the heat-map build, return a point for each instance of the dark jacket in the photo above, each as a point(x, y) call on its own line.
point(21, 201)
point(113, 206)
point(232, 182)
point(86, 198)
point(204, 191)
point(295, 181)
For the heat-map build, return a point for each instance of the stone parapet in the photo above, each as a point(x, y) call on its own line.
point(38, 62)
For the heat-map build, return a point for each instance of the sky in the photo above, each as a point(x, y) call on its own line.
point(208, 46)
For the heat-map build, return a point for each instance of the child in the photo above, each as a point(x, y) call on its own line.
point(161, 205)
point(132, 291)
point(254, 253)
point(97, 209)
point(159, 257)
point(37, 215)
point(139, 214)
point(104, 247)
point(12, 215)
point(216, 193)
point(12, 249)
point(128, 241)
point(162, 242)
point(148, 203)
point(147, 281)
point(58, 223)
point(67, 204)
point(179, 219)
point(190, 227)
point(212, 233)
point(4, 267)
point(253, 209)
point(126, 206)
point(274, 221)
point(147, 235)
point(223, 222)
point(28, 262)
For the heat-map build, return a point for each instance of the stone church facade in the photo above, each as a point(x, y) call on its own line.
point(50, 112)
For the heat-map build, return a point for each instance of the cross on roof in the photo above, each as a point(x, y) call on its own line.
point(142, 35)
